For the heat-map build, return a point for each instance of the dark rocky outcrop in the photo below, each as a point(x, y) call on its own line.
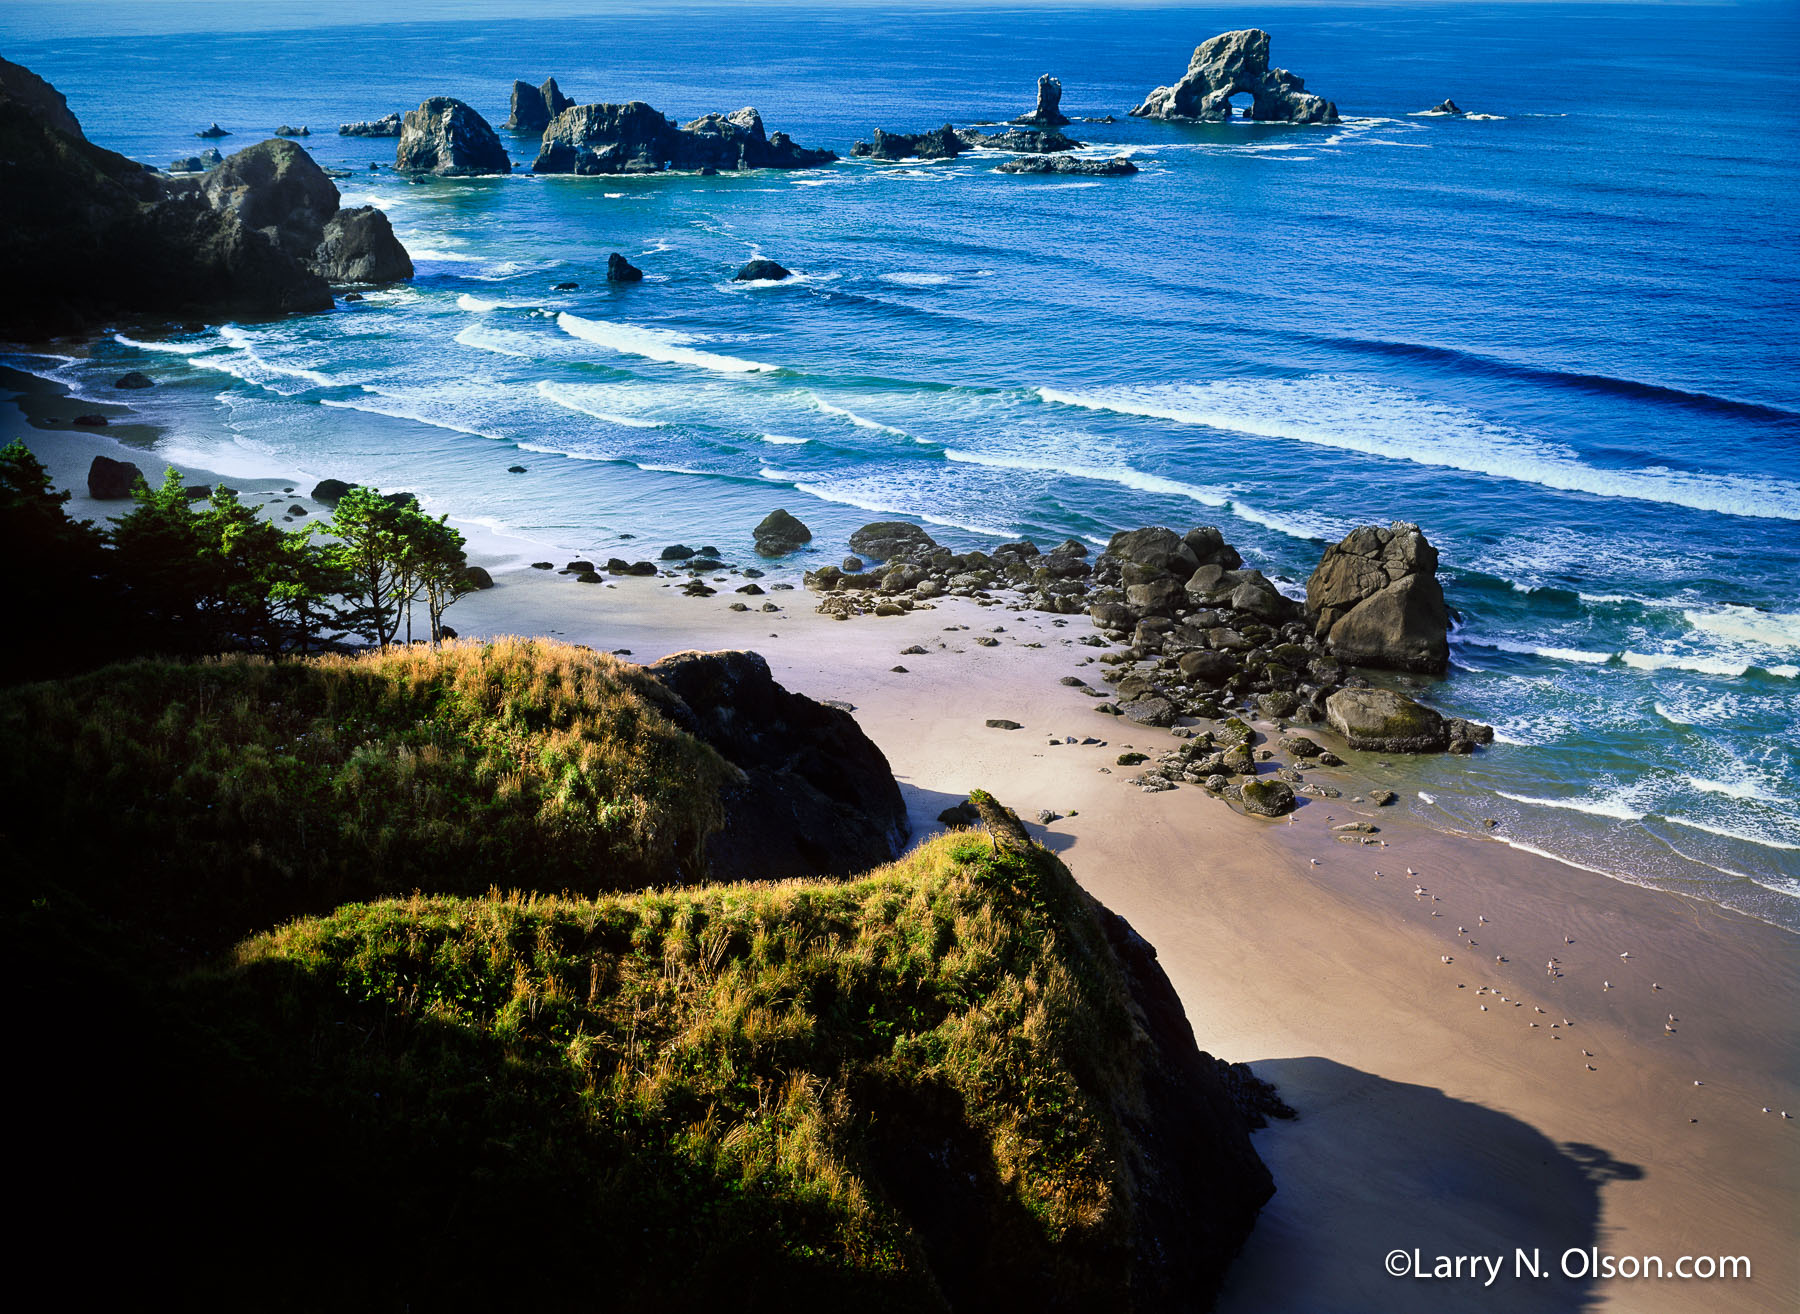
point(1047, 113)
point(213, 130)
point(1063, 164)
point(447, 138)
point(816, 797)
point(200, 163)
point(621, 270)
point(1228, 64)
point(1031, 141)
point(330, 491)
point(1446, 107)
point(92, 235)
point(134, 380)
point(477, 578)
point(22, 88)
point(761, 271)
point(288, 130)
point(938, 144)
point(780, 533)
point(359, 246)
point(390, 126)
point(111, 481)
point(534, 107)
point(1376, 601)
point(635, 138)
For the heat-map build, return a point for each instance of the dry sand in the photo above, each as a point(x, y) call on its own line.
point(1426, 1122)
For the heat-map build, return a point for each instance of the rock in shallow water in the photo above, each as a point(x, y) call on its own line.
point(1382, 721)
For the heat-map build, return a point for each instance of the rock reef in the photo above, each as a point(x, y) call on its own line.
point(93, 234)
point(390, 126)
point(534, 107)
point(1227, 65)
point(1047, 113)
point(1113, 168)
point(447, 138)
point(939, 144)
point(635, 138)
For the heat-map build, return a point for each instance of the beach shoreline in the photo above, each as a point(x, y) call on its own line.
point(1425, 1122)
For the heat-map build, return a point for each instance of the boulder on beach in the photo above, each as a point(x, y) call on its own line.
point(761, 271)
point(475, 578)
point(1267, 798)
point(330, 491)
point(886, 540)
point(635, 138)
point(134, 380)
point(1382, 721)
point(1118, 167)
point(1047, 113)
point(387, 126)
point(938, 144)
point(1230, 64)
point(621, 270)
point(1375, 599)
point(534, 107)
point(112, 481)
point(780, 533)
point(447, 138)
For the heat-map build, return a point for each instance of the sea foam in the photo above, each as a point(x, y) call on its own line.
point(665, 345)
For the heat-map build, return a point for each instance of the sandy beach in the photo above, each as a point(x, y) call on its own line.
point(1526, 1056)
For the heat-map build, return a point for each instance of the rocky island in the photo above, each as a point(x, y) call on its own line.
point(446, 137)
point(635, 138)
point(1228, 65)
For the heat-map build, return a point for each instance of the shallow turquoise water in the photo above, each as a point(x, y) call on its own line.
point(1560, 338)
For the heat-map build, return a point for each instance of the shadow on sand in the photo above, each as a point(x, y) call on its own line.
point(1372, 1166)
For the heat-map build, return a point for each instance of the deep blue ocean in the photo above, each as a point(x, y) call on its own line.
point(1560, 334)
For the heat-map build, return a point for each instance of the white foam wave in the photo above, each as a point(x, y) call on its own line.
point(861, 422)
point(585, 400)
point(1616, 809)
point(782, 440)
point(1740, 789)
point(1541, 650)
point(769, 472)
point(395, 410)
point(483, 338)
point(476, 305)
point(665, 345)
point(1391, 423)
point(1748, 625)
point(1726, 666)
point(1725, 832)
point(883, 507)
point(909, 278)
point(178, 348)
point(1307, 528)
point(439, 256)
point(1124, 476)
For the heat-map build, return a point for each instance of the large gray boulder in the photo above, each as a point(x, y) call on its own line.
point(1382, 721)
point(634, 138)
point(1047, 113)
point(1376, 601)
point(1230, 63)
point(780, 533)
point(886, 540)
point(359, 246)
point(447, 138)
point(534, 107)
point(112, 481)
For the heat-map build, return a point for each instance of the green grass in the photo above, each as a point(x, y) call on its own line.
point(233, 793)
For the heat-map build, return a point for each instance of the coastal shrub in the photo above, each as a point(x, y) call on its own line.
point(215, 797)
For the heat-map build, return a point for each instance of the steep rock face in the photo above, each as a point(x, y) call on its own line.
point(939, 144)
point(1376, 600)
point(92, 234)
point(38, 98)
point(816, 798)
point(359, 246)
point(448, 138)
point(534, 107)
point(1047, 113)
point(1230, 63)
point(634, 138)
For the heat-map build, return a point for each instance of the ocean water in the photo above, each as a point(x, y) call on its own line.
point(1561, 336)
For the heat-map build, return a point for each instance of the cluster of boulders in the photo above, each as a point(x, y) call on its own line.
point(947, 142)
point(1230, 64)
point(1116, 167)
point(635, 138)
point(388, 126)
point(92, 235)
point(1201, 635)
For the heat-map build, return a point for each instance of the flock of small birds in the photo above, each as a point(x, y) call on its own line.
point(1553, 970)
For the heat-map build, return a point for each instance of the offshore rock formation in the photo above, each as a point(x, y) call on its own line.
point(815, 797)
point(92, 234)
point(534, 107)
point(761, 271)
point(939, 144)
point(635, 138)
point(1047, 113)
point(1375, 599)
point(391, 126)
point(1042, 141)
point(197, 163)
point(1447, 107)
point(1114, 168)
point(1226, 65)
point(621, 270)
point(447, 138)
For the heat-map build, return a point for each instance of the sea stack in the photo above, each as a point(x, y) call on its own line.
point(635, 138)
point(1047, 113)
point(447, 138)
point(1231, 63)
point(534, 107)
